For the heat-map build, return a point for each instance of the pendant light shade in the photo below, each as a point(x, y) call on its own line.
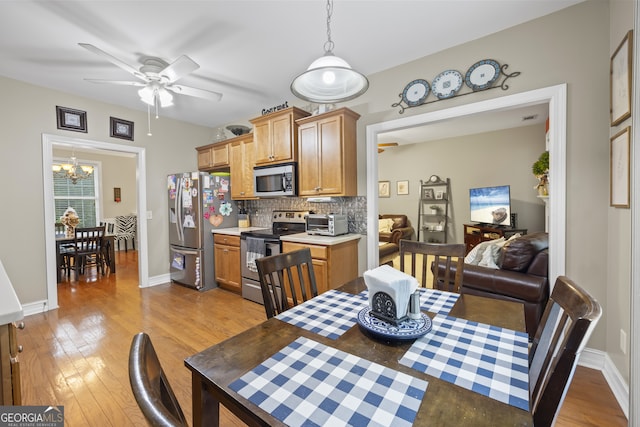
point(329, 79)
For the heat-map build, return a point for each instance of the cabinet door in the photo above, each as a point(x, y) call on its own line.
point(220, 155)
point(204, 159)
point(241, 165)
point(308, 160)
point(262, 142)
point(227, 265)
point(281, 139)
point(321, 271)
point(331, 156)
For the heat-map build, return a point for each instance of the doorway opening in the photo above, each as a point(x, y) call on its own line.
point(48, 143)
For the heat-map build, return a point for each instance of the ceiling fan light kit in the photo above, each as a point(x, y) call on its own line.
point(329, 79)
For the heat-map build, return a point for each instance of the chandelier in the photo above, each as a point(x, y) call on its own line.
point(329, 79)
point(72, 170)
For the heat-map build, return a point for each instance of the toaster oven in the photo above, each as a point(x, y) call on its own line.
point(327, 224)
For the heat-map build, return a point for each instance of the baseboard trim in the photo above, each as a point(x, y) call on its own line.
point(596, 359)
point(159, 280)
point(36, 307)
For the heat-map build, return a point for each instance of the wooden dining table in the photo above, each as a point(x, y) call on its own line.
point(108, 240)
point(444, 404)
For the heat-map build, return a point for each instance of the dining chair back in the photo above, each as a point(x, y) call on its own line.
point(286, 280)
point(418, 253)
point(60, 230)
point(87, 249)
point(126, 230)
point(109, 226)
point(567, 322)
point(150, 386)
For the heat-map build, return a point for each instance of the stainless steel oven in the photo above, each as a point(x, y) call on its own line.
point(259, 243)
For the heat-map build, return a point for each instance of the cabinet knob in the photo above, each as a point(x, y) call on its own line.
point(20, 348)
point(21, 325)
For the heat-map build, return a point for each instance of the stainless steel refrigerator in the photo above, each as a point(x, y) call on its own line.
point(198, 203)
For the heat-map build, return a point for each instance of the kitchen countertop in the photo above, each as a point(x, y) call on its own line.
point(320, 240)
point(235, 231)
point(10, 307)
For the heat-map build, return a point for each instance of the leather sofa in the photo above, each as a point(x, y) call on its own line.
point(400, 229)
point(522, 277)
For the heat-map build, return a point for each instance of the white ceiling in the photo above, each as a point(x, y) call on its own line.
point(247, 50)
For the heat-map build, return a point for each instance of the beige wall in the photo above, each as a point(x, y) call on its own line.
point(487, 159)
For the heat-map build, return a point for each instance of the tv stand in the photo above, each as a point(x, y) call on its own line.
point(477, 233)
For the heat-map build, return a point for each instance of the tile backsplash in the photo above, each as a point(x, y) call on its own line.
point(354, 207)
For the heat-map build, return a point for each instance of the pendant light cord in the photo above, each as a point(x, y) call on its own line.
point(328, 46)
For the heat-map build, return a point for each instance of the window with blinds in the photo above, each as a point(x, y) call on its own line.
point(81, 196)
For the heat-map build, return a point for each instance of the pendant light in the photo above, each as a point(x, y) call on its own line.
point(329, 79)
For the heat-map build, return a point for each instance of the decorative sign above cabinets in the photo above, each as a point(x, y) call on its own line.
point(480, 76)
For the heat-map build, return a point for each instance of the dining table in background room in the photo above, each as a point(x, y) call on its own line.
point(225, 373)
point(108, 241)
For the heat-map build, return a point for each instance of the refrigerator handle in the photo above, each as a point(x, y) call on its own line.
point(185, 251)
point(179, 210)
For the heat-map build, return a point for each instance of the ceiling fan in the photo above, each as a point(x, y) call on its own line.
point(386, 144)
point(157, 78)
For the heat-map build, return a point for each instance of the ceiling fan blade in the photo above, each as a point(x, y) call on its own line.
point(192, 91)
point(179, 68)
point(117, 82)
point(128, 68)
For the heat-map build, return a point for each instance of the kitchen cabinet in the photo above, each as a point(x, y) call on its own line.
point(275, 136)
point(213, 156)
point(226, 254)
point(327, 164)
point(333, 265)
point(10, 388)
point(241, 163)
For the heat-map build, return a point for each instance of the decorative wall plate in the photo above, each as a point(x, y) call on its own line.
point(482, 74)
point(447, 84)
point(415, 92)
point(407, 329)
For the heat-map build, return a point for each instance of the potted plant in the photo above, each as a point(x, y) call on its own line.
point(540, 170)
point(435, 209)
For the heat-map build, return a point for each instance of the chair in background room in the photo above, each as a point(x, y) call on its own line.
point(150, 386)
point(87, 250)
point(126, 230)
point(64, 250)
point(286, 280)
point(418, 253)
point(568, 320)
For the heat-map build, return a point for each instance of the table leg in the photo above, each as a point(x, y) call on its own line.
point(206, 409)
point(58, 262)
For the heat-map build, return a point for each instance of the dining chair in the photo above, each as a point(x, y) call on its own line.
point(126, 230)
point(87, 249)
point(567, 322)
point(420, 252)
point(150, 386)
point(286, 280)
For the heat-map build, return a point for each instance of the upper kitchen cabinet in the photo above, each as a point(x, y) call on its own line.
point(242, 161)
point(213, 156)
point(275, 136)
point(327, 164)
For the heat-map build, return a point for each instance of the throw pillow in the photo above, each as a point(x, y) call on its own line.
point(475, 255)
point(490, 256)
point(384, 225)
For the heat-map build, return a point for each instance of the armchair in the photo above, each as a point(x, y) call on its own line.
point(399, 228)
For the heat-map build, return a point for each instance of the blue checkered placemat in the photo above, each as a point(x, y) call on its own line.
point(329, 314)
point(310, 384)
point(431, 300)
point(486, 359)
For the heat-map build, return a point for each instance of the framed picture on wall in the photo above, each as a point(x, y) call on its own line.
point(70, 119)
point(428, 194)
point(620, 166)
point(120, 128)
point(383, 189)
point(620, 80)
point(402, 188)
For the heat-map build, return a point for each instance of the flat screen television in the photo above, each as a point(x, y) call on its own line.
point(490, 205)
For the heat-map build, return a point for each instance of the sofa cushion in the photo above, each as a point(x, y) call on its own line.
point(518, 253)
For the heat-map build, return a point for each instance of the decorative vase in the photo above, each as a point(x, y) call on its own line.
point(69, 231)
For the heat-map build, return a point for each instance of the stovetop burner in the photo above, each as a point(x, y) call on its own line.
point(284, 222)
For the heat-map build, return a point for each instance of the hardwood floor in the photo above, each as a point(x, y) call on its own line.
point(77, 355)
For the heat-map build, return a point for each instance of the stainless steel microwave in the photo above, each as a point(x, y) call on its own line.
point(275, 180)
